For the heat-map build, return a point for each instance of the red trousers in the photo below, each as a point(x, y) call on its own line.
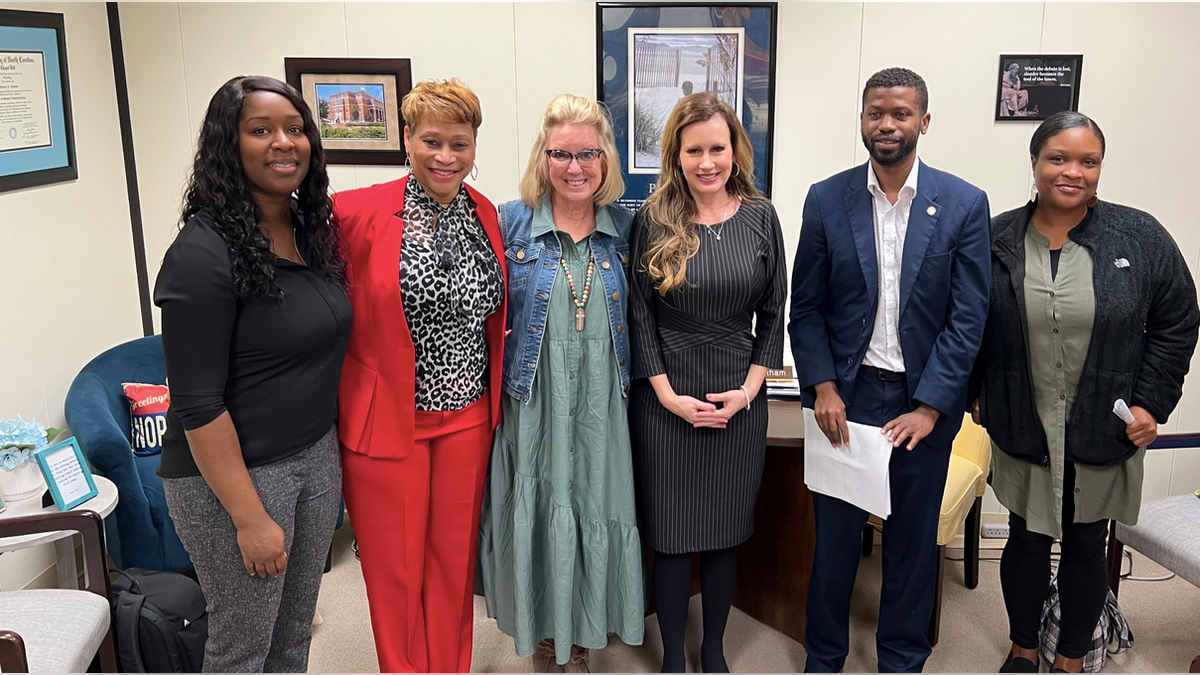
point(417, 523)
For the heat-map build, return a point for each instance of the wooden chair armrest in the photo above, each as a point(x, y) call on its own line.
point(12, 653)
point(87, 523)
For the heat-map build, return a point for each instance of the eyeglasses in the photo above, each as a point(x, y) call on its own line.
point(585, 157)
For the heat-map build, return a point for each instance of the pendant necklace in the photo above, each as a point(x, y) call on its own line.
point(724, 215)
point(580, 302)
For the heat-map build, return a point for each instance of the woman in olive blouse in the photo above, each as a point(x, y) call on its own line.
point(1091, 303)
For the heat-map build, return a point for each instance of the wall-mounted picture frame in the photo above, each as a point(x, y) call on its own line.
point(1032, 87)
point(67, 474)
point(648, 56)
point(356, 102)
point(37, 134)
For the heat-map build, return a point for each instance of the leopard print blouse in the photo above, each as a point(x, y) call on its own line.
point(450, 283)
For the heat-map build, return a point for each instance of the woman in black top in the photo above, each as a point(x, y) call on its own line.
point(706, 314)
point(255, 324)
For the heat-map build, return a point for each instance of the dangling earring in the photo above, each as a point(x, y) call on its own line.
point(1033, 193)
point(474, 171)
point(1092, 202)
point(737, 170)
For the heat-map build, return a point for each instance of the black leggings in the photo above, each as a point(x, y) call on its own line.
point(673, 587)
point(1082, 582)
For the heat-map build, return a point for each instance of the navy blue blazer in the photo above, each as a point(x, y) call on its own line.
point(945, 280)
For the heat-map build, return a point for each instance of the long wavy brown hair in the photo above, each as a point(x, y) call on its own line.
point(671, 209)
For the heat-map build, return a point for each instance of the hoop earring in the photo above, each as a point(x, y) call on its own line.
point(1092, 202)
point(474, 171)
point(737, 169)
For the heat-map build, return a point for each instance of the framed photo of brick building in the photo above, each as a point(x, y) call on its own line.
point(357, 104)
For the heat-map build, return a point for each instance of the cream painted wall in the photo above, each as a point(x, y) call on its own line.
point(518, 56)
point(72, 281)
point(69, 289)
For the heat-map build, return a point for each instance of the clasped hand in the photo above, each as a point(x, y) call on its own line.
point(706, 414)
point(1144, 429)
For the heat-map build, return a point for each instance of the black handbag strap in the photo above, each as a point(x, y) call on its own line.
point(128, 616)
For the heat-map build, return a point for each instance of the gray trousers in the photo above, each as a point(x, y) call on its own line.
point(255, 624)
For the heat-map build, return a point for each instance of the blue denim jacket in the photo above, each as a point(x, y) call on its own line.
point(533, 264)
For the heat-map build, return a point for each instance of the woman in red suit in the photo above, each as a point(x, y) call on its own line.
point(420, 389)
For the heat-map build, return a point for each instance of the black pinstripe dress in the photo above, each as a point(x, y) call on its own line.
point(697, 487)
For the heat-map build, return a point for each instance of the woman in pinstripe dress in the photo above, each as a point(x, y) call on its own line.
point(707, 314)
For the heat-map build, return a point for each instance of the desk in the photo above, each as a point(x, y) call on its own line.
point(775, 564)
point(63, 540)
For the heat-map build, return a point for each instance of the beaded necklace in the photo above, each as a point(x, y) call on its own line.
point(580, 303)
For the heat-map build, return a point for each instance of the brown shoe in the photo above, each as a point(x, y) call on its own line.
point(544, 660)
point(578, 662)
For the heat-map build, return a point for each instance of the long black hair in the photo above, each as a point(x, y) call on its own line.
point(218, 186)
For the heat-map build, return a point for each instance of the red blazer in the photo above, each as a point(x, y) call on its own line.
point(377, 395)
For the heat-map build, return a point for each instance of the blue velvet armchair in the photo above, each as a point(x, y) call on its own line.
point(140, 533)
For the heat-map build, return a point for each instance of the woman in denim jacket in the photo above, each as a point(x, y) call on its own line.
point(559, 545)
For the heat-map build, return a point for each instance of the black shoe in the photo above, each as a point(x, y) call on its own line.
point(1018, 664)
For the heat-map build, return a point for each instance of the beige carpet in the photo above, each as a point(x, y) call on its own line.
point(1164, 616)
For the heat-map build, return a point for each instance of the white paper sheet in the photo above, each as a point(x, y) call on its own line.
point(857, 474)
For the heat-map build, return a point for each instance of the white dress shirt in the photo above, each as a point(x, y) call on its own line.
point(891, 225)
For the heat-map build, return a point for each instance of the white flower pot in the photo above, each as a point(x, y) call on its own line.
point(23, 482)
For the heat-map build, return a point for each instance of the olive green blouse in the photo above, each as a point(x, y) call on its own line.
point(1060, 310)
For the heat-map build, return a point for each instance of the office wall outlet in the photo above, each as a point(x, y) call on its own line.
point(995, 531)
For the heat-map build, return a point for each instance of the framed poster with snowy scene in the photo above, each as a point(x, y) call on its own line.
point(648, 56)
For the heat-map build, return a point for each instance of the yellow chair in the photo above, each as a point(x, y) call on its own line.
point(962, 501)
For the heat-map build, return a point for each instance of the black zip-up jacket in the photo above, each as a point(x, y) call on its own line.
point(1143, 336)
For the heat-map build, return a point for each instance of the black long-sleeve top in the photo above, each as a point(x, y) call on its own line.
point(273, 364)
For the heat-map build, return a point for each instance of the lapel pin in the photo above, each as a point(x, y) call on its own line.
point(931, 210)
point(1121, 262)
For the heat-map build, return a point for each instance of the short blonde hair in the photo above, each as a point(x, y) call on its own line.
point(572, 109)
point(442, 100)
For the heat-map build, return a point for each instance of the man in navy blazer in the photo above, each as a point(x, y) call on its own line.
point(889, 300)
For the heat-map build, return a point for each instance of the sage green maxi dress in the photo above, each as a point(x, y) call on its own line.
point(559, 547)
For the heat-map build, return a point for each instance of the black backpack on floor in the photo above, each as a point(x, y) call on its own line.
point(159, 620)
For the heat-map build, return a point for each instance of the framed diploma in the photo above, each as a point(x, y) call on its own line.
point(67, 474)
point(37, 138)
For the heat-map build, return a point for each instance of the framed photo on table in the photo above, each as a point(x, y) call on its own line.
point(1031, 87)
point(67, 474)
point(648, 56)
point(356, 102)
point(37, 136)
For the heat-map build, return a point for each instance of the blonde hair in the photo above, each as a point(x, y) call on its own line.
point(442, 100)
point(671, 209)
point(572, 109)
